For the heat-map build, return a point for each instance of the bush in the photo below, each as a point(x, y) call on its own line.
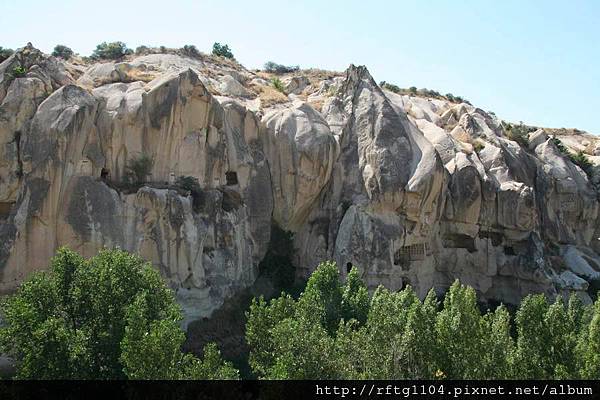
point(581, 160)
point(518, 133)
point(412, 90)
point(18, 72)
point(110, 51)
point(277, 84)
point(163, 49)
point(138, 169)
point(391, 87)
point(222, 51)
point(5, 53)
point(109, 317)
point(275, 68)
point(140, 50)
point(192, 185)
point(190, 50)
point(62, 51)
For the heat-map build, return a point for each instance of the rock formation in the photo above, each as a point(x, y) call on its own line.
point(411, 190)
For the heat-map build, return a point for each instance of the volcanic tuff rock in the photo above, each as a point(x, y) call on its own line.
point(411, 190)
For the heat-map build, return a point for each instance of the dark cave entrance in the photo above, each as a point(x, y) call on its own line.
point(231, 178)
point(348, 267)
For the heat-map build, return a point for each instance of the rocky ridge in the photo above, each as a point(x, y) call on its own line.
point(410, 190)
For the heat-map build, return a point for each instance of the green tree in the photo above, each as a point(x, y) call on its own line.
point(588, 346)
point(5, 53)
point(460, 334)
point(532, 339)
point(108, 317)
point(111, 51)
point(62, 51)
point(222, 51)
point(498, 345)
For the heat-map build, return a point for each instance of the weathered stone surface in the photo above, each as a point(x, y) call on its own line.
point(410, 190)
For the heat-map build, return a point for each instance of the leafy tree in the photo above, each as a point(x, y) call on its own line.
point(139, 168)
point(588, 346)
point(62, 51)
point(108, 317)
point(412, 90)
point(110, 51)
point(460, 334)
point(532, 339)
point(222, 51)
point(140, 50)
point(5, 53)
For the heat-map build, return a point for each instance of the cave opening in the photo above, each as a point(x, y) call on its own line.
point(104, 174)
point(231, 178)
point(348, 267)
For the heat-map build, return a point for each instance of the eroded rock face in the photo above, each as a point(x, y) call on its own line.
point(408, 189)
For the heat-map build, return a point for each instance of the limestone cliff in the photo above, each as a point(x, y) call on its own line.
point(409, 189)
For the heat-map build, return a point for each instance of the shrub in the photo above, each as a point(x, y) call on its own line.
point(163, 49)
point(272, 67)
point(450, 97)
point(18, 71)
point(140, 50)
point(5, 53)
point(581, 160)
point(190, 50)
point(277, 84)
point(62, 51)
point(391, 87)
point(412, 90)
point(518, 133)
point(110, 51)
point(109, 317)
point(192, 185)
point(222, 51)
point(478, 146)
point(138, 169)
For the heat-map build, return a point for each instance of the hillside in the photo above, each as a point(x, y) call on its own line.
point(410, 189)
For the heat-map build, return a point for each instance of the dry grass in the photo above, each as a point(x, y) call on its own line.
point(269, 96)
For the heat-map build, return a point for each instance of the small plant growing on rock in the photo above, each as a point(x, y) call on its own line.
point(222, 51)
point(478, 146)
point(192, 185)
point(277, 84)
point(110, 51)
point(19, 71)
point(62, 51)
point(5, 53)
point(138, 169)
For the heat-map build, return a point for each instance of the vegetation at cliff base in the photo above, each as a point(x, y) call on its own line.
point(335, 330)
point(108, 317)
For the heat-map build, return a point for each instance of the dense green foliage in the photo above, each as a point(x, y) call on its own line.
point(19, 71)
point(335, 330)
point(109, 317)
point(110, 51)
point(519, 133)
point(275, 68)
point(222, 50)
point(413, 91)
point(62, 51)
point(139, 168)
point(5, 53)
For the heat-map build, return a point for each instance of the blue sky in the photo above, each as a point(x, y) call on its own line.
point(531, 61)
